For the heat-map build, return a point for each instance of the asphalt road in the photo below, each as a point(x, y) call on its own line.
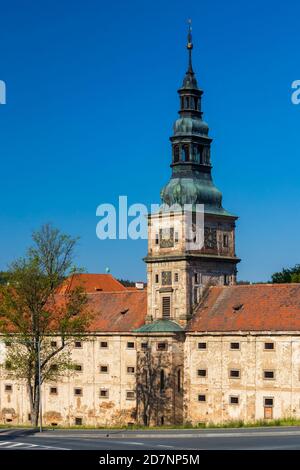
point(283, 438)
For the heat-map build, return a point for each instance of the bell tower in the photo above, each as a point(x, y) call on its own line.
point(178, 274)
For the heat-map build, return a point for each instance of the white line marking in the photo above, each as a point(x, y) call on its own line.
point(4, 443)
point(166, 447)
point(18, 444)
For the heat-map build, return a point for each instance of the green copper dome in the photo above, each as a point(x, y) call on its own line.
point(160, 326)
point(190, 126)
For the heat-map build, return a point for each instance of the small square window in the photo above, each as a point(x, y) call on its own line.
point(144, 345)
point(176, 277)
point(130, 345)
point(78, 392)
point(78, 421)
point(103, 344)
point(53, 344)
point(202, 398)
point(78, 344)
point(234, 345)
point(268, 401)
point(269, 346)
point(78, 367)
point(103, 393)
point(202, 345)
point(130, 370)
point(103, 369)
point(130, 395)
point(234, 374)
point(53, 390)
point(269, 374)
point(8, 388)
point(162, 346)
point(234, 400)
point(202, 372)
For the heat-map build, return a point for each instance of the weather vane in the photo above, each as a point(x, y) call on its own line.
point(190, 44)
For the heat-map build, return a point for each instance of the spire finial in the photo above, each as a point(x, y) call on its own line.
point(190, 45)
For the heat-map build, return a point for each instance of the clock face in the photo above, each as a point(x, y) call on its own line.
point(210, 238)
point(166, 237)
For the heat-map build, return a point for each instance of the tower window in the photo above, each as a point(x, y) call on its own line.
point(234, 400)
point(176, 154)
point(201, 397)
point(162, 380)
point(195, 295)
point(187, 102)
point(156, 239)
point(186, 153)
point(196, 278)
point(225, 241)
point(178, 380)
point(226, 280)
point(166, 307)
point(166, 278)
point(196, 103)
point(176, 237)
point(176, 277)
point(156, 278)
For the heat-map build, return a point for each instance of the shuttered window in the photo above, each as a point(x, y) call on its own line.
point(166, 307)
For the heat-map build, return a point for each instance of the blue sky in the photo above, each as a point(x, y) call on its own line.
point(91, 99)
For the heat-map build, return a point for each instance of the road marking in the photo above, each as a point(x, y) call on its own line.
point(11, 445)
point(166, 447)
point(3, 443)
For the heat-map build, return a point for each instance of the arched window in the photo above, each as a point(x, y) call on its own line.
point(182, 102)
point(186, 151)
point(176, 153)
point(187, 102)
point(196, 104)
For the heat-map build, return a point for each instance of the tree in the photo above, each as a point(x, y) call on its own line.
point(39, 325)
point(154, 386)
point(287, 275)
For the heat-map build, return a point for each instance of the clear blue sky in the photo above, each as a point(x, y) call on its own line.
point(91, 99)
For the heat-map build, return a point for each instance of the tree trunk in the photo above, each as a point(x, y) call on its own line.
point(34, 399)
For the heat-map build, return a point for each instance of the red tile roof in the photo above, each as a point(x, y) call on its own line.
point(260, 307)
point(92, 283)
point(118, 311)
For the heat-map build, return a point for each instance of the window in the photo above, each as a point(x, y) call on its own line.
point(103, 369)
point(166, 307)
point(202, 345)
point(144, 345)
point(78, 392)
point(162, 380)
point(234, 374)
point(202, 373)
point(201, 397)
point(130, 370)
point(53, 344)
point(130, 395)
point(186, 153)
point(156, 239)
point(103, 393)
point(269, 374)
point(269, 346)
point(78, 367)
point(268, 401)
point(53, 390)
point(234, 400)
point(166, 278)
point(176, 153)
point(78, 421)
point(195, 295)
point(225, 241)
point(156, 278)
point(8, 388)
point(162, 346)
point(234, 345)
point(179, 380)
point(103, 344)
point(130, 345)
point(78, 344)
point(226, 280)
point(196, 278)
point(176, 237)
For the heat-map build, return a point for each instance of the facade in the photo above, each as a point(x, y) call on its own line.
point(192, 347)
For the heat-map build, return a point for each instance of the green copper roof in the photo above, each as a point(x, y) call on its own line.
point(159, 326)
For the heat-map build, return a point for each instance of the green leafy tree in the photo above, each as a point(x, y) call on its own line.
point(38, 325)
point(287, 275)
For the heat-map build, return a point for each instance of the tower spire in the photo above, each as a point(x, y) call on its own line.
point(189, 46)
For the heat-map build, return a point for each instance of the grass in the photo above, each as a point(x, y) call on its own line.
point(227, 425)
